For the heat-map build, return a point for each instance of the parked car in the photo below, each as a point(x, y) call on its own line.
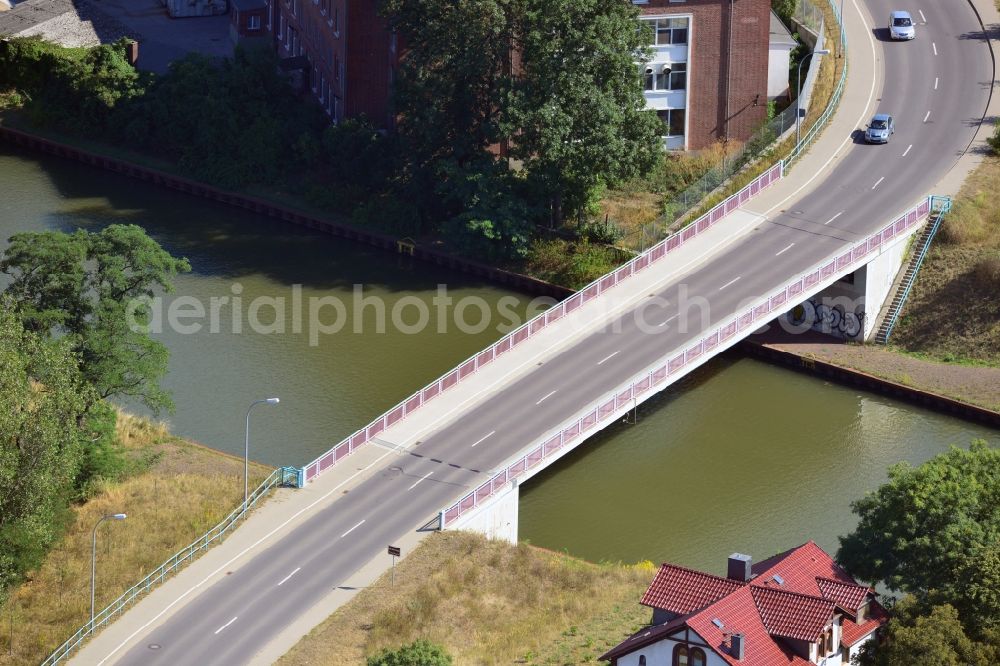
point(880, 128)
point(901, 25)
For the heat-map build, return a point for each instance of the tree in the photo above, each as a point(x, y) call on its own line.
point(934, 531)
point(578, 114)
point(44, 397)
point(418, 653)
point(918, 636)
point(785, 9)
point(89, 286)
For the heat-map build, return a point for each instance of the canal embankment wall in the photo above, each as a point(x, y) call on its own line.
point(786, 356)
point(271, 209)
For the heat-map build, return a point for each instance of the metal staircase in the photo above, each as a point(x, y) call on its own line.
point(939, 207)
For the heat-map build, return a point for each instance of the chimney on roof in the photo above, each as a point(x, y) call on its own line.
point(739, 567)
point(736, 645)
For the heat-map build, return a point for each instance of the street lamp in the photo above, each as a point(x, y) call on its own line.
point(798, 91)
point(246, 449)
point(93, 559)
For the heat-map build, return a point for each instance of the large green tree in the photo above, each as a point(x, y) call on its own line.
point(578, 114)
point(934, 531)
point(41, 444)
point(90, 288)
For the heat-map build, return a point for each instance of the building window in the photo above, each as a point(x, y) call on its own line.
point(253, 22)
point(642, 660)
point(669, 31)
point(659, 77)
point(281, 26)
point(673, 121)
point(267, 13)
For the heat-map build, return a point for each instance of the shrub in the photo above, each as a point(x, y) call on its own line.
point(418, 653)
point(987, 271)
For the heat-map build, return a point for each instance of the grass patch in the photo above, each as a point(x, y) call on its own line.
point(952, 313)
point(183, 490)
point(486, 602)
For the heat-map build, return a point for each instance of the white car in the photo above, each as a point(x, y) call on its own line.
point(901, 25)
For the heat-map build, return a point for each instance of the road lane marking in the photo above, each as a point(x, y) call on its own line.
point(935, 82)
point(927, 116)
point(547, 395)
point(352, 529)
point(834, 217)
point(667, 321)
point(285, 579)
point(922, 17)
point(907, 151)
point(935, 47)
point(786, 249)
point(483, 438)
point(226, 625)
point(419, 480)
point(607, 357)
point(878, 182)
point(731, 282)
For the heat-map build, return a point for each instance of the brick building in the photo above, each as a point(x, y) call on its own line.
point(708, 76)
point(346, 51)
point(707, 80)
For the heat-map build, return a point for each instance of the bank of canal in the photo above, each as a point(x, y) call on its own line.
point(740, 456)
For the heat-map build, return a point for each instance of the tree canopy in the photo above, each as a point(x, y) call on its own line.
point(88, 287)
point(934, 531)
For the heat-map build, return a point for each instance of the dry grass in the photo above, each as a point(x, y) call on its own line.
point(186, 489)
point(487, 602)
point(953, 313)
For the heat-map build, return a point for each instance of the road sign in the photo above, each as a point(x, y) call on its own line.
point(394, 551)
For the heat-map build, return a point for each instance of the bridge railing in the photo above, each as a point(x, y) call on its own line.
point(282, 476)
point(471, 365)
point(681, 358)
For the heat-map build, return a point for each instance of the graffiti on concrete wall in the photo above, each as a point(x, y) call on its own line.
point(835, 316)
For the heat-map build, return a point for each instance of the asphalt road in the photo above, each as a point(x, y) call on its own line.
point(936, 87)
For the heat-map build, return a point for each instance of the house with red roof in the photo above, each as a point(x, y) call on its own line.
point(796, 608)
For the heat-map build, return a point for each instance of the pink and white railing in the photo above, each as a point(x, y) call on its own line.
point(682, 360)
point(593, 290)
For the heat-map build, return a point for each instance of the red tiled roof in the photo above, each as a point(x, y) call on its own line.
point(681, 590)
point(853, 633)
point(642, 638)
point(792, 615)
point(738, 614)
point(799, 568)
point(847, 596)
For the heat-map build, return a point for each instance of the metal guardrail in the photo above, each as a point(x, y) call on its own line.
point(471, 365)
point(628, 393)
point(940, 205)
point(834, 99)
point(283, 476)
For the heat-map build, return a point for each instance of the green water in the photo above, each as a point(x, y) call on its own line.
point(741, 456)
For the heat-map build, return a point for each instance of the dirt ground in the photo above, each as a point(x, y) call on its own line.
point(978, 385)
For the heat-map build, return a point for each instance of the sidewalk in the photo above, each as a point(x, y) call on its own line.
point(284, 512)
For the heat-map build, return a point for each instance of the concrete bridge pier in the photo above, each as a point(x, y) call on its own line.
point(496, 517)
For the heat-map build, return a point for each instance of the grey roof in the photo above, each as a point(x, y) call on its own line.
point(780, 36)
point(28, 14)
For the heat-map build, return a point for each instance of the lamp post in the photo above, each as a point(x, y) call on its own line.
point(246, 449)
point(798, 91)
point(93, 560)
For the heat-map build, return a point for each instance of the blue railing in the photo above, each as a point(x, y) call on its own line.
point(939, 208)
point(283, 476)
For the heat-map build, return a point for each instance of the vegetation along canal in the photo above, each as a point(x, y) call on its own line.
point(741, 456)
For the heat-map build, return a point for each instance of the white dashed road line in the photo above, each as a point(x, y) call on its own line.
point(285, 579)
point(785, 249)
point(547, 395)
point(731, 282)
point(483, 438)
point(834, 217)
point(935, 82)
point(878, 182)
point(424, 477)
point(922, 17)
point(352, 529)
point(935, 47)
point(927, 116)
point(225, 625)
point(609, 356)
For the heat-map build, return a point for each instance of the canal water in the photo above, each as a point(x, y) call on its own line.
point(740, 456)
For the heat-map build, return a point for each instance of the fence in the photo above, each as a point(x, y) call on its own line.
point(279, 477)
point(683, 357)
point(593, 290)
